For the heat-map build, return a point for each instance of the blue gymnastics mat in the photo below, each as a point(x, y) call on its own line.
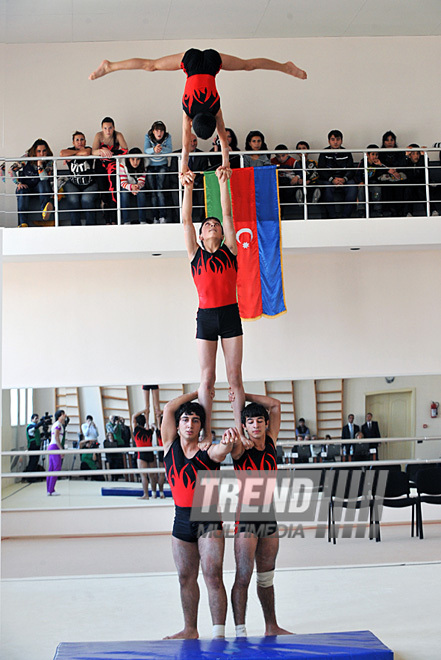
point(358, 645)
point(120, 491)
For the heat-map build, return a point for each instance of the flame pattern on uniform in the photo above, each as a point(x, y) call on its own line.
point(182, 472)
point(254, 459)
point(215, 277)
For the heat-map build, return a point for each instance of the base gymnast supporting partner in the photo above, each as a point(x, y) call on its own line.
point(201, 101)
point(214, 270)
point(182, 423)
point(254, 542)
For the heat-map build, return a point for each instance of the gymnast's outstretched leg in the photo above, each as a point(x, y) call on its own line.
point(167, 63)
point(232, 63)
point(173, 63)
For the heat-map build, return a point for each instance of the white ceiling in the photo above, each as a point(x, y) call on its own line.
point(46, 21)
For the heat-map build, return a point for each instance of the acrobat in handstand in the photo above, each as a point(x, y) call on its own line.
point(201, 101)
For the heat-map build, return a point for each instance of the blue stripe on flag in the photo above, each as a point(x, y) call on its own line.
point(268, 232)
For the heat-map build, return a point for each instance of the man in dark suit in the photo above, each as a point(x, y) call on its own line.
point(349, 431)
point(370, 429)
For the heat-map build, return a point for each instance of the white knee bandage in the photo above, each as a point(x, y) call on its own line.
point(265, 580)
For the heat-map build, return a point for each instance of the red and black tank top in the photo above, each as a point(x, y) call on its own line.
point(200, 93)
point(143, 437)
point(181, 472)
point(215, 277)
point(255, 459)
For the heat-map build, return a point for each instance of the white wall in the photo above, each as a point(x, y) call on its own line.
point(364, 86)
point(350, 314)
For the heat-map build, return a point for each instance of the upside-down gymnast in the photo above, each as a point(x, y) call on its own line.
point(201, 101)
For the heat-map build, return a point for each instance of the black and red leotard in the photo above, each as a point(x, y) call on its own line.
point(181, 475)
point(181, 472)
point(143, 438)
point(200, 93)
point(215, 277)
point(256, 459)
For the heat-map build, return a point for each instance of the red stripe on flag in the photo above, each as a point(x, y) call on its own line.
point(243, 200)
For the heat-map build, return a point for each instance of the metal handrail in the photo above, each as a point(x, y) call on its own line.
point(57, 176)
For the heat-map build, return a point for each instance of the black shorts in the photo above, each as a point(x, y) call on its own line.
point(188, 530)
point(161, 456)
point(258, 528)
point(150, 387)
point(146, 456)
point(202, 61)
point(215, 322)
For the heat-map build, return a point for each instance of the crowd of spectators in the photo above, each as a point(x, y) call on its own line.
point(335, 184)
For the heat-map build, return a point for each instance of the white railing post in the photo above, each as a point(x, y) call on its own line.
point(55, 175)
point(426, 179)
point(366, 183)
point(180, 188)
point(305, 197)
point(118, 192)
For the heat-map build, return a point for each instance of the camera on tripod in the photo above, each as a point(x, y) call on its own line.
point(45, 432)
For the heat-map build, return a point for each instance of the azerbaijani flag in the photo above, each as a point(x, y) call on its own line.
point(255, 202)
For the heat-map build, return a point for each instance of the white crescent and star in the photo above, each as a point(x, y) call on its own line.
point(245, 230)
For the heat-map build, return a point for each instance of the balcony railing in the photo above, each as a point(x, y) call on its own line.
point(305, 193)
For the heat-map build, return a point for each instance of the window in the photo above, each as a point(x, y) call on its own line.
point(21, 406)
point(14, 407)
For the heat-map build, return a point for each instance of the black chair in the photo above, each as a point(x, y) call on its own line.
point(428, 482)
point(394, 491)
point(303, 453)
point(361, 452)
point(412, 470)
point(352, 490)
point(280, 455)
point(333, 452)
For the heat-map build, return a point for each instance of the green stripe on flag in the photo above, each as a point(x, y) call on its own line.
point(212, 195)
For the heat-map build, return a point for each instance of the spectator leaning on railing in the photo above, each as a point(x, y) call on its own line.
point(336, 171)
point(375, 171)
point(157, 144)
point(393, 191)
point(313, 193)
point(132, 177)
point(82, 187)
point(33, 178)
point(415, 190)
point(255, 141)
point(108, 143)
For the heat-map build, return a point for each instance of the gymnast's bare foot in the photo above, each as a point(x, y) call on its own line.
point(293, 70)
point(144, 497)
point(190, 633)
point(102, 70)
point(275, 630)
